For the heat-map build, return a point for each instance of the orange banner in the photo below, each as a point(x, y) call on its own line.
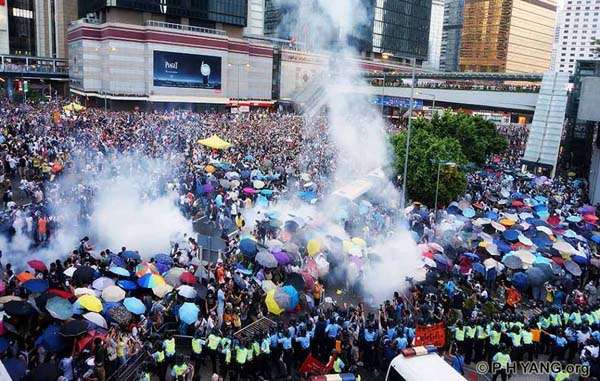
point(430, 335)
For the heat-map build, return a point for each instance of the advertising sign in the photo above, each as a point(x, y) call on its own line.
point(186, 70)
point(430, 335)
point(397, 102)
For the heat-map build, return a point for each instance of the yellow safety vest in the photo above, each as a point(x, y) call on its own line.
point(555, 320)
point(160, 356)
point(146, 377)
point(227, 352)
point(213, 342)
point(256, 348)
point(495, 338)
point(459, 334)
point(516, 339)
point(527, 337)
point(179, 369)
point(561, 376)
point(240, 355)
point(197, 346)
point(470, 331)
point(503, 360)
point(249, 354)
point(481, 333)
point(337, 365)
point(170, 347)
point(265, 347)
point(577, 319)
point(566, 318)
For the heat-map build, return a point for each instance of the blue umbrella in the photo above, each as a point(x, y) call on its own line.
point(580, 260)
point(266, 192)
point(134, 305)
point(36, 285)
point(77, 309)
point(108, 305)
point(119, 271)
point(516, 196)
point(129, 254)
point(492, 215)
point(115, 260)
point(503, 247)
point(242, 269)
point(245, 174)
point(453, 209)
point(596, 238)
point(127, 285)
point(479, 268)
point(471, 255)
point(248, 247)
point(541, 198)
point(307, 196)
point(249, 158)
point(51, 339)
point(59, 308)
point(542, 241)
point(520, 281)
point(188, 312)
point(293, 293)
point(510, 235)
point(468, 212)
point(164, 259)
point(574, 219)
point(4, 344)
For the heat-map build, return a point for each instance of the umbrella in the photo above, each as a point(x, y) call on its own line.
point(295, 280)
point(187, 292)
point(113, 294)
point(24, 276)
point(38, 265)
point(274, 298)
point(242, 270)
point(90, 303)
point(102, 283)
point(70, 272)
point(293, 294)
point(526, 257)
point(73, 328)
point(573, 268)
point(188, 278)
point(313, 247)
point(162, 289)
point(51, 340)
point(214, 142)
point(468, 212)
point(512, 261)
point(129, 254)
point(19, 308)
point(145, 268)
point(564, 247)
point(150, 280)
point(119, 271)
point(127, 285)
point(490, 263)
point(188, 313)
point(96, 318)
point(510, 235)
point(115, 260)
point(479, 268)
point(84, 291)
point(248, 247)
point(84, 275)
point(266, 259)
point(9, 298)
point(120, 314)
point(173, 276)
point(164, 259)
point(59, 308)
point(134, 305)
point(536, 276)
point(574, 219)
point(282, 258)
point(520, 281)
point(36, 285)
point(267, 285)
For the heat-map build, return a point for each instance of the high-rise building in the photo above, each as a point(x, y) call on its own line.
point(435, 35)
point(451, 35)
point(398, 28)
point(577, 25)
point(256, 18)
point(507, 35)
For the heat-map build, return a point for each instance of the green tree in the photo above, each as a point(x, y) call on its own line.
point(477, 137)
point(425, 150)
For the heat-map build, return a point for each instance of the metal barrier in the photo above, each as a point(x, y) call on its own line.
point(185, 28)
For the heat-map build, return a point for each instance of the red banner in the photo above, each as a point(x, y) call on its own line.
point(311, 365)
point(430, 335)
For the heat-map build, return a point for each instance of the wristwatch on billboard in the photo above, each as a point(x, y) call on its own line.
point(205, 71)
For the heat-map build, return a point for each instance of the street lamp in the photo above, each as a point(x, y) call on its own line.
point(239, 65)
point(385, 56)
point(410, 112)
point(440, 163)
point(433, 104)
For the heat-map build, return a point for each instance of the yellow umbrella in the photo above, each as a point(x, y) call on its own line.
point(73, 107)
point(209, 169)
point(215, 142)
point(359, 241)
point(90, 303)
point(313, 247)
point(507, 222)
point(347, 246)
point(272, 305)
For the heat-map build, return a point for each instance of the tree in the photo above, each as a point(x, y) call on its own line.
point(477, 137)
point(425, 150)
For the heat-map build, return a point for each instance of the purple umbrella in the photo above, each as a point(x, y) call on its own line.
point(207, 188)
point(282, 258)
point(587, 209)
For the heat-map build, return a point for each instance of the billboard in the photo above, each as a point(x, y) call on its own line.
point(397, 102)
point(186, 70)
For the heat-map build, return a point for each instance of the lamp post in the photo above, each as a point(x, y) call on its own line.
point(437, 183)
point(239, 65)
point(385, 56)
point(410, 111)
point(433, 101)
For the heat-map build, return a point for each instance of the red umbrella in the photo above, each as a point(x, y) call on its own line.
point(590, 217)
point(517, 203)
point(553, 220)
point(38, 265)
point(188, 278)
point(310, 282)
point(61, 293)
point(87, 341)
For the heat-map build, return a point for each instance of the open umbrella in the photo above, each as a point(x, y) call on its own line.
point(36, 285)
point(59, 308)
point(188, 312)
point(134, 305)
point(164, 259)
point(119, 271)
point(573, 268)
point(102, 282)
point(282, 257)
point(38, 265)
point(536, 276)
point(161, 290)
point(96, 318)
point(19, 308)
point(248, 247)
point(188, 278)
point(129, 254)
point(120, 314)
point(69, 272)
point(272, 303)
point(295, 280)
point(267, 285)
point(84, 275)
point(512, 261)
point(313, 247)
point(113, 294)
point(173, 276)
point(145, 268)
point(150, 280)
point(127, 285)
point(73, 328)
point(266, 259)
point(51, 340)
point(90, 303)
point(293, 294)
point(84, 291)
point(186, 291)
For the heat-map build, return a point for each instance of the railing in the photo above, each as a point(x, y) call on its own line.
point(34, 65)
point(185, 28)
point(84, 20)
point(445, 86)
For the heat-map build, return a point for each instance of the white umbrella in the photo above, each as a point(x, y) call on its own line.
point(96, 318)
point(102, 282)
point(70, 271)
point(490, 263)
point(429, 262)
point(162, 289)
point(499, 227)
point(84, 291)
point(544, 229)
point(258, 184)
point(267, 285)
point(187, 291)
point(113, 294)
point(565, 247)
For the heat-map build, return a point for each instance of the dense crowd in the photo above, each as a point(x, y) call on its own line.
point(90, 313)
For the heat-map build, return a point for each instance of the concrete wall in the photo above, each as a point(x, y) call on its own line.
point(4, 48)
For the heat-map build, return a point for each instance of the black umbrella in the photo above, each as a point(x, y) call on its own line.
point(46, 372)
point(291, 226)
point(201, 290)
point(296, 280)
point(84, 275)
point(74, 328)
point(41, 300)
point(19, 308)
point(120, 314)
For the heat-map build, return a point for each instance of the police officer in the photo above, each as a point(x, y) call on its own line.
point(470, 332)
point(494, 341)
point(527, 341)
point(503, 359)
point(180, 369)
point(213, 345)
point(241, 356)
point(160, 363)
point(515, 336)
point(559, 346)
point(169, 347)
point(459, 335)
point(338, 364)
point(481, 337)
point(197, 344)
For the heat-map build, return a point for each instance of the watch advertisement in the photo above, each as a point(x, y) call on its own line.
point(186, 70)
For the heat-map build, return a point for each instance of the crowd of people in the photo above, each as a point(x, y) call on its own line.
point(265, 304)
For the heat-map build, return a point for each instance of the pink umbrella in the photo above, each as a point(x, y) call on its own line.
point(309, 280)
point(249, 190)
